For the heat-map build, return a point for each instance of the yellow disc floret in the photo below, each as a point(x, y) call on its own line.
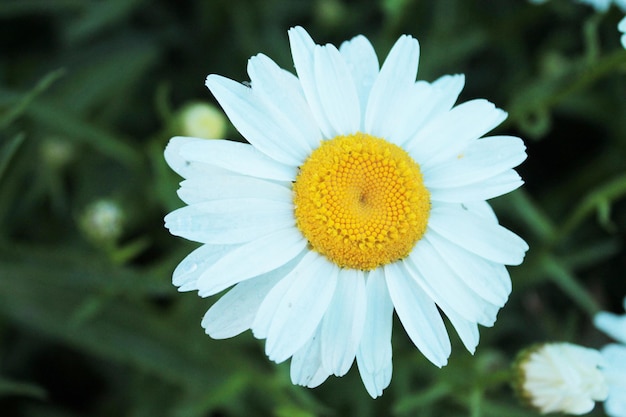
point(361, 201)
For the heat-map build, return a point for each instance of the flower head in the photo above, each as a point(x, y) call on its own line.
point(614, 355)
point(361, 192)
point(560, 377)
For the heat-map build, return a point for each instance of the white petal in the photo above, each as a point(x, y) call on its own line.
point(388, 93)
point(407, 114)
point(230, 221)
point(267, 310)
point(425, 103)
point(611, 324)
point(614, 371)
point(281, 91)
point(447, 89)
point(450, 133)
point(185, 167)
point(484, 190)
point(489, 280)
point(235, 311)
point(445, 287)
point(466, 329)
point(483, 159)
point(477, 235)
point(257, 122)
point(301, 307)
point(418, 315)
point(621, 26)
point(227, 186)
point(250, 260)
point(336, 90)
point(480, 208)
point(187, 272)
point(362, 63)
point(375, 382)
point(342, 325)
point(306, 364)
point(236, 157)
point(302, 47)
point(375, 345)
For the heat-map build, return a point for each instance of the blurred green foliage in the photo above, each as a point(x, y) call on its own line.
point(89, 95)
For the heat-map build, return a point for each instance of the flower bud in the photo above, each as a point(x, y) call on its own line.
point(560, 377)
point(201, 120)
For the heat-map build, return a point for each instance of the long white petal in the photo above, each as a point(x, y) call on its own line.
point(306, 365)
point(375, 345)
point(302, 306)
point(481, 208)
point(235, 311)
point(362, 63)
point(282, 93)
point(477, 235)
point(466, 329)
point(342, 325)
point(237, 157)
point(202, 188)
point(257, 122)
point(446, 288)
point(302, 47)
point(250, 260)
point(488, 279)
point(186, 274)
point(184, 167)
point(418, 315)
point(375, 381)
point(483, 159)
point(493, 187)
point(336, 90)
point(230, 221)
point(427, 102)
point(397, 75)
point(450, 133)
point(611, 324)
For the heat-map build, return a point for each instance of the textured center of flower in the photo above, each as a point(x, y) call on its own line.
point(360, 201)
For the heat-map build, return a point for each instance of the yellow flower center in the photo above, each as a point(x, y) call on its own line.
point(361, 201)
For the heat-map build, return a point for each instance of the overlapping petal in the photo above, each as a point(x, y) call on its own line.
point(262, 125)
point(418, 314)
point(231, 156)
point(476, 235)
point(343, 323)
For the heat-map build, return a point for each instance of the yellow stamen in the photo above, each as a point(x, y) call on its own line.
point(361, 201)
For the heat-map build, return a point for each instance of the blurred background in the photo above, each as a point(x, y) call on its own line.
point(90, 93)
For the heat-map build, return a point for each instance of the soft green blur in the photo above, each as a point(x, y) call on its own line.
point(91, 91)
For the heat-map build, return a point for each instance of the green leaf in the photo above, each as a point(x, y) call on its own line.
point(26, 99)
point(11, 387)
point(8, 151)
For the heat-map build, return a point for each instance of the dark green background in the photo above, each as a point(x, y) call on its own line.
point(93, 327)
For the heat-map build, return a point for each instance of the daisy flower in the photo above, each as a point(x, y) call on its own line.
point(361, 192)
point(560, 377)
point(615, 361)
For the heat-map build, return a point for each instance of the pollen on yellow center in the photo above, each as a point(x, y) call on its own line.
point(361, 201)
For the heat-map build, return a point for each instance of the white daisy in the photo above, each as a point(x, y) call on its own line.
point(560, 377)
point(361, 191)
point(615, 361)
